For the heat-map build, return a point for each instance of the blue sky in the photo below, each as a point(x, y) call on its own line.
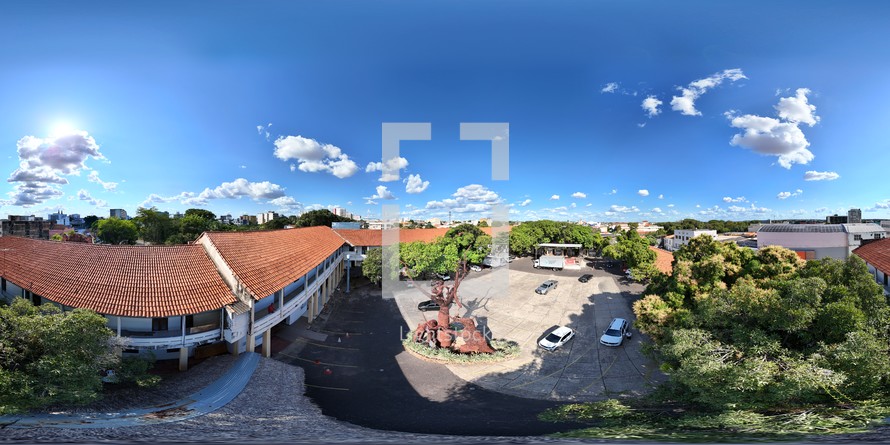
point(618, 111)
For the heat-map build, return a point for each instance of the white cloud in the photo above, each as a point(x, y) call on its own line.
point(685, 103)
point(573, 205)
point(786, 195)
point(660, 196)
point(390, 169)
point(588, 204)
point(641, 124)
point(657, 210)
point(84, 195)
point(670, 205)
point(813, 175)
point(236, 189)
point(554, 198)
point(312, 156)
point(382, 193)
point(94, 177)
point(579, 195)
point(643, 192)
point(525, 203)
point(753, 210)
point(776, 137)
point(731, 199)
point(624, 209)
point(470, 198)
point(263, 130)
point(612, 192)
point(610, 87)
point(227, 190)
point(797, 109)
point(44, 163)
point(651, 104)
point(287, 204)
point(415, 185)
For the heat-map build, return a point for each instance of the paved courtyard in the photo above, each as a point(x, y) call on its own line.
point(582, 370)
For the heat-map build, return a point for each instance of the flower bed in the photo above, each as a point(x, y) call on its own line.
point(504, 350)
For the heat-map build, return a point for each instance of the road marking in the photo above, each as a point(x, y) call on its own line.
point(321, 362)
point(324, 345)
point(344, 334)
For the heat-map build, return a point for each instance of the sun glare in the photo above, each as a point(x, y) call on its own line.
point(62, 128)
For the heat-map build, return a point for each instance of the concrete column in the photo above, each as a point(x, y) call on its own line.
point(267, 343)
point(236, 350)
point(251, 342)
point(183, 359)
point(311, 309)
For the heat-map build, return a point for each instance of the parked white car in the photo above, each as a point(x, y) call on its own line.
point(557, 338)
point(614, 336)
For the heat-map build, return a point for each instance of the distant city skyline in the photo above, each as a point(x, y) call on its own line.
point(616, 111)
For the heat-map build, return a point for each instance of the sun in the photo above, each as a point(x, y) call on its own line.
point(62, 128)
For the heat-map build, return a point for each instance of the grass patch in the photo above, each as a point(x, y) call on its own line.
point(504, 350)
point(613, 419)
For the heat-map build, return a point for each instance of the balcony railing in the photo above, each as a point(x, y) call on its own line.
point(168, 339)
point(268, 320)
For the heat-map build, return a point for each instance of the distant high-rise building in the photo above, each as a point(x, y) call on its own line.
point(59, 218)
point(854, 216)
point(118, 213)
point(265, 217)
point(835, 219)
point(28, 226)
point(246, 220)
point(340, 211)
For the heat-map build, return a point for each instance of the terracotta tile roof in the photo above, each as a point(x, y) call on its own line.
point(129, 281)
point(876, 253)
point(664, 260)
point(428, 235)
point(361, 237)
point(266, 261)
point(369, 237)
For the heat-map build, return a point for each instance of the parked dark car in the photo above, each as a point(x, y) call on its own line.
point(585, 278)
point(428, 305)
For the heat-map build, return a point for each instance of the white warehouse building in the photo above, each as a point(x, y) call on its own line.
point(816, 241)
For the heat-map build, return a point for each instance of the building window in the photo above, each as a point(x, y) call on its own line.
point(857, 237)
point(159, 324)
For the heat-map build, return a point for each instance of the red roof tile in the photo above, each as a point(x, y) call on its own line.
point(361, 237)
point(876, 253)
point(266, 261)
point(128, 281)
point(663, 260)
point(428, 235)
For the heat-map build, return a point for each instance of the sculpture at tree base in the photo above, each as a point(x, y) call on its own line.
point(456, 333)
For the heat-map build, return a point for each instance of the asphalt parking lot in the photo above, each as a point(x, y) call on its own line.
point(366, 377)
point(583, 369)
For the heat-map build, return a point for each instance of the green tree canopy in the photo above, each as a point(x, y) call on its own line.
point(470, 243)
point(117, 231)
point(323, 217)
point(51, 357)
point(154, 226)
point(201, 213)
point(742, 329)
point(526, 236)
